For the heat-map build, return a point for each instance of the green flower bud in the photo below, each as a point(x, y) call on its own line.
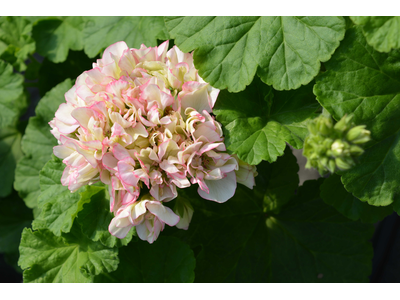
point(330, 147)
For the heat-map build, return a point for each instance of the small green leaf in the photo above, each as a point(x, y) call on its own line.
point(101, 32)
point(258, 121)
point(284, 51)
point(382, 33)
point(14, 216)
point(71, 258)
point(96, 217)
point(334, 193)
point(11, 90)
point(15, 33)
point(366, 83)
point(10, 153)
point(167, 260)
point(37, 144)
point(56, 36)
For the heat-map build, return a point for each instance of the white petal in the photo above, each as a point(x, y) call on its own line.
point(220, 190)
point(164, 213)
point(117, 231)
point(142, 231)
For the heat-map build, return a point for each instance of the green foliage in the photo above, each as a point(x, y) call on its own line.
point(167, 260)
point(96, 216)
point(15, 36)
point(101, 32)
point(69, 258)
point(275, 187)
point(284, 51)
point(365, 82)
point(318, 244)
point(50, 74)
point(382, 33)
point(11, 90)
point(334, 194)
point(10, 152)
point(259, 121)
point(239, 242)
point(275, 232)
point(59, 207)
point(56, 36)
point(14, 217)
point(37, 144)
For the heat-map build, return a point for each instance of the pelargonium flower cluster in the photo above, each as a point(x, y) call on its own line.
point(140, 122)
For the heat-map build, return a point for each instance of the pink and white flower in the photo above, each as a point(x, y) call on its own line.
point(141, 122)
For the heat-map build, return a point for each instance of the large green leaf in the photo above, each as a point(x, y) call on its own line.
point(308, 241)
point(311, 242)
point(382, 33)
point(59, 207)
point(37, 144)
point(334, 193)
point(70, 258)
point(95, 217)
point(11, 91)
point(259, 121)
point(284, 51)
point(56, 36)
point(14, 217)
point(10, 152)
point(365, 82)
point(15, 33)
point(167, 260)
point(101, 32)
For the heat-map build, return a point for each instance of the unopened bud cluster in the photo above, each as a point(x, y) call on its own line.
point(331, 147)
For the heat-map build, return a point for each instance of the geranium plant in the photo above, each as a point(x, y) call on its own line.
point(161, 147)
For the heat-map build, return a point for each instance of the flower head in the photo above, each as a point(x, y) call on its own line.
point(141, 122)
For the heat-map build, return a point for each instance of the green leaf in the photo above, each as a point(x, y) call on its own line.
point(259, 121)
point(284, 51)
point(15, 33)
point(59, 207)
point(276, 183)
point(70, 258)
point(101, 32)
point(37, 144)
point(308, 241)
point(311, 242)
point(56, 36)
point(11, 91)
point(96, 217)
point(334, 193)
point(10, 153)
point(14, 217)
point(366, 83)
point(167, 260)
point(51, 74)
point(382, 33)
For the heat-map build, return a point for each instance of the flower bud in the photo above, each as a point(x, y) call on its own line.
point(330, 147)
